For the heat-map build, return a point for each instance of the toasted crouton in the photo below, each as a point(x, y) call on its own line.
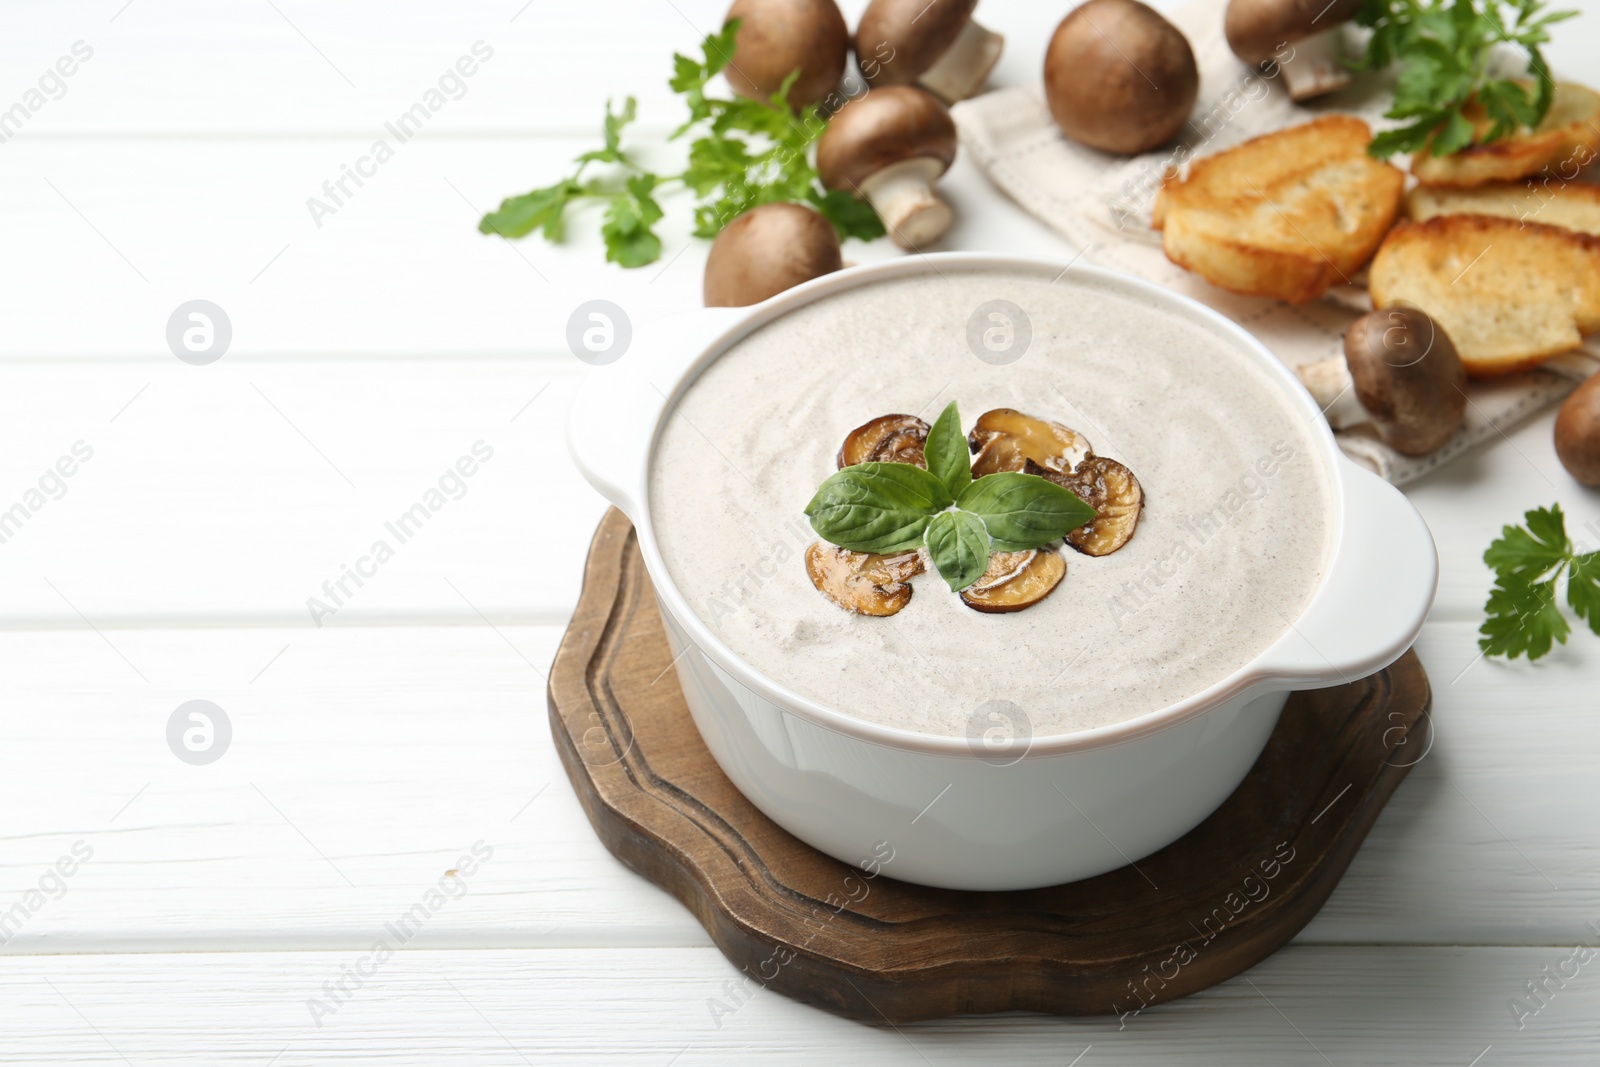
point(1288, 214)
point(1567, 139)
point(1570, 205)
point(1510, 294)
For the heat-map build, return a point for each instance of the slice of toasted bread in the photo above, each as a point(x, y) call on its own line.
point(1288, 214)
point(1510, 294)
point(1570, 205)
point(1567, 140)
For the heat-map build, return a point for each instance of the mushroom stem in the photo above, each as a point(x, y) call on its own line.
point(1334, 391)
point(961, 69)
point(902, 195)
point(1315, 65)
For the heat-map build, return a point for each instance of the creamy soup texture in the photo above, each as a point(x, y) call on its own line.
point(1232, 544)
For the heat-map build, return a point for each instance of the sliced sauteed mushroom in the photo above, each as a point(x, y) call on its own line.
point(1005, 440)
point(1113, 492)
point(886, 439)
point(1015, 580)
point(862, 582)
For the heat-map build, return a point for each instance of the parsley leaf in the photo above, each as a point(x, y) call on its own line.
point(1523, 612)
point(612, 152)
point(745, 153)
point(851, 216)
point(542, 209)
point(1446, 83)
point(1529, 553)
point(1583, 588)
point(1523, 619)
point(629, 240)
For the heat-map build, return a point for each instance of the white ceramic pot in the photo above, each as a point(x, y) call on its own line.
point(946, 812)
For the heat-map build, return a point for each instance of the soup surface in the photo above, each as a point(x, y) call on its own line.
point(1231, 546)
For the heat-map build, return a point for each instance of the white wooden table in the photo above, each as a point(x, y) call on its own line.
point(213, 911)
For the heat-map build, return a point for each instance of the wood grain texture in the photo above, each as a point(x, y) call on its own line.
point(1484, 843)
point(644, 1006)
point(859, 943)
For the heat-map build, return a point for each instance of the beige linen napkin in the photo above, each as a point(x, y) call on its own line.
point(1102, 203)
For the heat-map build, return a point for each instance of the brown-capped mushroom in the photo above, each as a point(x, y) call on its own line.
point(766, 250)
point(886, 439)
point(890, 146)
point(862, 582)
point(1578, 432)
point(1401, 373)
point(1015, 580)
point(1114, 493)
point(933, 44)
point(777, 37)
point(1005, 440)
point(1119, 77)
point(1298, 37)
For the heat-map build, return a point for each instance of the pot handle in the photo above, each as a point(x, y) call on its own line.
point(1373, 603)
point(612, 421)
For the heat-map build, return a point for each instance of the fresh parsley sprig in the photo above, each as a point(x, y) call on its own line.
point(1524, 615)
point(1442, 48)
point(896, 507)
point(748, 153)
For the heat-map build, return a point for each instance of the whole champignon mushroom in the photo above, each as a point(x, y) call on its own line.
point(766, 250)
point(936, 45)
point(1119, 77)
point(1578, 432)
point(1401, 373)
point(889, 146)
point(1299, 37)
point(777, 37)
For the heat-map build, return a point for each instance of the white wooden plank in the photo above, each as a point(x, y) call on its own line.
point(297, 66)
point(399, 267)
point(1485, 840)
point(1395, 1006)
point(350, 67)
point(378, 754)
point(234, 491)
point(363, 763)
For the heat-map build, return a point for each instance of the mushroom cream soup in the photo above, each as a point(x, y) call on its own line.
point(1231, 546)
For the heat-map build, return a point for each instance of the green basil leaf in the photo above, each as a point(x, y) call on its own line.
point(959, 545)
point(877, 507)
point(946, 451)
point(1023, 511)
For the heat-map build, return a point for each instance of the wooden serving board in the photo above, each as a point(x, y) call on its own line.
point(859, 943)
